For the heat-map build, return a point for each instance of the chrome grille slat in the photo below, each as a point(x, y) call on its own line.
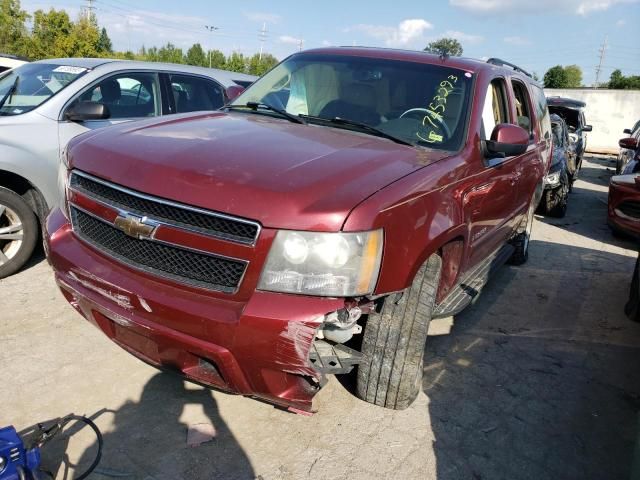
point(180, 264)
point(182, 216)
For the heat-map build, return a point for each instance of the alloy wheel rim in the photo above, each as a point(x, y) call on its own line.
point(11, 234)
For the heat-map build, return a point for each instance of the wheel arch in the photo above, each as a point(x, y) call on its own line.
point(27, 190)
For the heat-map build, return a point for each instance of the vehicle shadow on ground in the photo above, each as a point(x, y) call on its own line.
point(542, 382)
point(148, 439)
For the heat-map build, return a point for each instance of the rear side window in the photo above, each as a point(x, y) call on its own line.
point(192, 94)
point(494, 110)
point(542, 112)
point(523, 113)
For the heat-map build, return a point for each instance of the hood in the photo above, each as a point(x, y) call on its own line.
point(282, 174)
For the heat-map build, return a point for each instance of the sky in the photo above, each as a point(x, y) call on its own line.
point(534, 34)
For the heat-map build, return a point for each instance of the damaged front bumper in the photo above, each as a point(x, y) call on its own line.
point(260, 346)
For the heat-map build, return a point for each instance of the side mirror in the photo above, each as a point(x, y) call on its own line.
point(507, 140)
point(627, 131)
point(628, 142)
point(82, 111)
point(233, 92)
point(587, 128)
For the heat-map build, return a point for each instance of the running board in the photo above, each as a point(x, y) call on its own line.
point(468, 290)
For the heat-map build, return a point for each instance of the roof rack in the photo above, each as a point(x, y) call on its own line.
point(502, 63)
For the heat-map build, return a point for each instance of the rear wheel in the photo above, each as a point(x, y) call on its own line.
point(393, 342)
point(18, 232)
point(521, 241)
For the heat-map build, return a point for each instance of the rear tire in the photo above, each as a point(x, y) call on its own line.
point(18, 232)
point(393, 342)
point(521, 241)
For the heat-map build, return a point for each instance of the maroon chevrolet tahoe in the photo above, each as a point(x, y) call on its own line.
point(313, 226)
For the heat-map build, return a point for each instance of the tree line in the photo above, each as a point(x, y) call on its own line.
point(53, 34)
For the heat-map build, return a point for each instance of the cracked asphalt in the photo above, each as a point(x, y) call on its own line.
point(539, 379)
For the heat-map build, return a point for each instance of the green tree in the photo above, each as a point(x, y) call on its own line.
point(556, 77)
point(236, 63)
point(13, 33)
point(618, 81)
point(85, 38)
point(170, 54)
point(445, 46)
point(574, 76)
point(196, 56)
point(104, 45)
point(259, 66)
point(51, 35)
point(217, 58)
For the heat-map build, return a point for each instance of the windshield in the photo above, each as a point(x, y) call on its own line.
point(418, 103)
point(30, 85)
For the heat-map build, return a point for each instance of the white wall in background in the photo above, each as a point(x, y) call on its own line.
point(609, 111)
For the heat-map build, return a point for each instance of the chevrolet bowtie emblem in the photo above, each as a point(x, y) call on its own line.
point(133, 226)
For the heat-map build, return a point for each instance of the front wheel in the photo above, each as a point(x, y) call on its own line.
point(18, 232)
point(393, 342)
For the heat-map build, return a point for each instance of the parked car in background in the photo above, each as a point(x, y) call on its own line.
point(624, 205)
point(349, 194)
point(7, 62)
point(44, 104)
point(572, 112)
point(557, 182)
point(626, 154)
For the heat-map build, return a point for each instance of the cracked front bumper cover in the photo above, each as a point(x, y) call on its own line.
point(257, 347)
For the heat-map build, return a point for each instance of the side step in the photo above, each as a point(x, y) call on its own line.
point(468, 290)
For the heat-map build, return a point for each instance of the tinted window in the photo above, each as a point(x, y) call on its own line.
point(192, 94)
point(542, 112)
point(494, 110)
point(420, 103)
point(127, 95)
point(524, 117)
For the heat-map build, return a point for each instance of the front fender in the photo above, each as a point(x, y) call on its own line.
point(418, 218)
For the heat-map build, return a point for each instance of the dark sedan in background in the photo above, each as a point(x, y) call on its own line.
point(572, 112)
point(557, 182)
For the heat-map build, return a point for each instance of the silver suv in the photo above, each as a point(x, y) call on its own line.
point(44, 104)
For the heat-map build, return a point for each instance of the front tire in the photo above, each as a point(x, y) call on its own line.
point(393, 342)
point(18, 232)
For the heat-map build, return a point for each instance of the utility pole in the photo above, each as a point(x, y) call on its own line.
point(300, 43)
point(89, 9)
point(211, 29)
point(602, 50)
point(263, 37)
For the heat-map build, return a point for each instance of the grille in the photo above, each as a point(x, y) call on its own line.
point(157, 209)
point(631, 209)
point(182, 265)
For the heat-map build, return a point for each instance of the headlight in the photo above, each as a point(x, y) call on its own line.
point(324, 264)
point(63, 181)
point(552, 178)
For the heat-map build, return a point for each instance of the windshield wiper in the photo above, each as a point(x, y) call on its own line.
point(10, 91)
point(257, 105)
point(362, 126)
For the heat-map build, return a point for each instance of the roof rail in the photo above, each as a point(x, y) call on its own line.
point(503, 63)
